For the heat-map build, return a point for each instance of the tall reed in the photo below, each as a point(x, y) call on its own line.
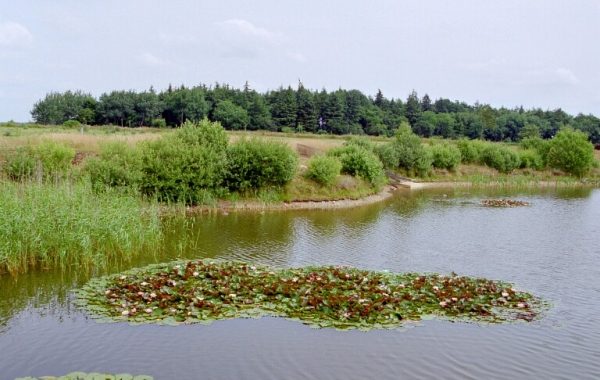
point(68, 225)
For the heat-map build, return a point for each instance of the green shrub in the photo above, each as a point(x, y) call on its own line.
point(47, 161)
point(255, 164)
point(118, 165)
point(360, 162)
point(188, 166)
point(572, 152)
point(445, 156)
point(412, 155)
point(324, 169)
point(470, 150)
point(538, 144)
point(55, 158)
point(531, 159)
point(503, 159)
point(72, 123)
point(159, 123)
point(388, 155)
point(362, 142)
point(21, 164)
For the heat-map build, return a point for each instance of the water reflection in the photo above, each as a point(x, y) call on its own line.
point(549, 248)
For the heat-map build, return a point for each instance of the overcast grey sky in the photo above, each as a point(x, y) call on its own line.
point(535, 53)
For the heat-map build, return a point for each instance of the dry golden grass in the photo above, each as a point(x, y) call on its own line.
point(90, 140)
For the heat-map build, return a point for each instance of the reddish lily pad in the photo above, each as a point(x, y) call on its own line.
point(202, 291)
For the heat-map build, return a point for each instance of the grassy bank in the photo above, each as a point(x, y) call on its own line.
point(68, 225)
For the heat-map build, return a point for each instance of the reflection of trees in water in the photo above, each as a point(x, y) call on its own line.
point(216, 235)
point(329, 222)
point(37, 289)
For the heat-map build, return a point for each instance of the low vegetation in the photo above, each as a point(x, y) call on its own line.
point(503, 203)
point(256, 164)
point(50, 226)
point(90, 376)
point(361, 162)
point(339, 297)
point(445, 156)
point(324, 169)
point(571, 151)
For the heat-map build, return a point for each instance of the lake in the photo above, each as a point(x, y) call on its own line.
point(551, 248)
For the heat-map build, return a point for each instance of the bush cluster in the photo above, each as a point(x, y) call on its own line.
point(445, 156)
point(117, 166)
point(188, 166)
point(47, 161)
point(193, 165)
point(501, 158)
point(538, 145)
point(571, 151)
point(360, 162)
point(531, 159)
point(256, 164)
point(324, 169)
point(470, 150)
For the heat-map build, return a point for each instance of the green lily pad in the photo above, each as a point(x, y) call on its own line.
point(202, 291)
point(90, 376)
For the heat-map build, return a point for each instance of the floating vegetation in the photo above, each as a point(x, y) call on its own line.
point(503, 203)
point(90, 376)
point(202, 291)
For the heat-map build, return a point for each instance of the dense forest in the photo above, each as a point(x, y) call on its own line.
point(304, 110)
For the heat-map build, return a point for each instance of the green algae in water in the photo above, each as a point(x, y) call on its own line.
point(90, 376)
point(202, 291)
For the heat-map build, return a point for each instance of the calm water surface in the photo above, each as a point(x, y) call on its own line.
point(551, 249)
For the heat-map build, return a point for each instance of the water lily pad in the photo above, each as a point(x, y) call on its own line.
point(90, 376)
point(202, 291)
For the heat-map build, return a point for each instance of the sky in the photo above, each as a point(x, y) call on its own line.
point(534, 53)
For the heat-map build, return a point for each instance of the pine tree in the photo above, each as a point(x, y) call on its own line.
point(413, 109)
point(426, 103)
point(306, 116)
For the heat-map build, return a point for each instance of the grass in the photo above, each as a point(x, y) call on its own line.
point(339, 297)
point(67, 225)
point(483, 175)
point(346, 187)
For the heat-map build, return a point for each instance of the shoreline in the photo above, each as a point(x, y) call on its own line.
point(386, 193)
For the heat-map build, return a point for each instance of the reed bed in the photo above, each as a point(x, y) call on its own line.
point(65, 225)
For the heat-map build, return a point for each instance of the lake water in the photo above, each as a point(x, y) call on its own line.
point(551, 248)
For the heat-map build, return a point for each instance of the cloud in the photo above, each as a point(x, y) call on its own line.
point(242, 39)
point(152, 60)
point(551, 76)
point(176, 39)
point(13, 34)
point(566, 76)
point(523, 74)
point(246, 29)
point(298, 57)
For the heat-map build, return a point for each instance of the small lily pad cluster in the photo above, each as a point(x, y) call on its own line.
point(90, 376)
point(503, 203)
point(204, 291)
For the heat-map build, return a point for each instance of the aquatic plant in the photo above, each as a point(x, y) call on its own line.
point(503, 203)
point(90, 376)
point(340, 297)
point(68, 225)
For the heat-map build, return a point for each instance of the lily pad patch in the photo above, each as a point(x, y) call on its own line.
point(90, 376)
point(202, 291)
point(503, 203)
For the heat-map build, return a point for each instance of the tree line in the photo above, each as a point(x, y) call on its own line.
point(304, 110)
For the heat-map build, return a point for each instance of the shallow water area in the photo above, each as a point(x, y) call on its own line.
point(549, 248)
